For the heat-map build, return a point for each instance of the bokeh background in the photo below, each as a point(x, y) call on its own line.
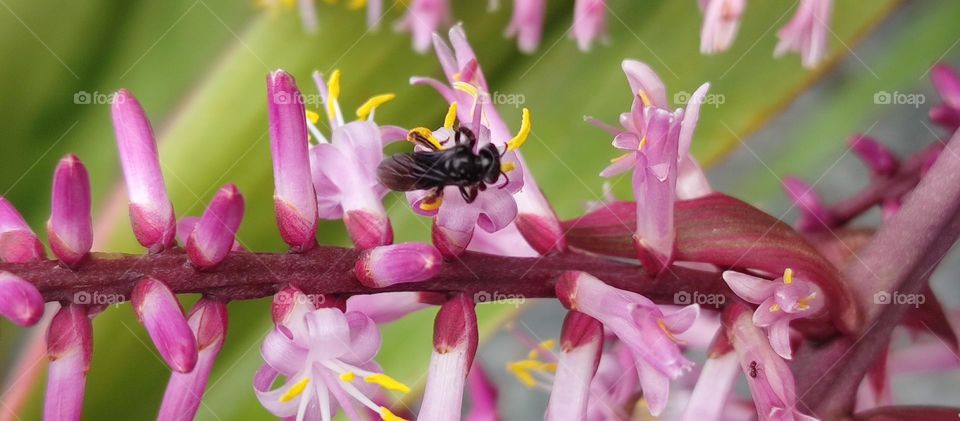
point(198, 67)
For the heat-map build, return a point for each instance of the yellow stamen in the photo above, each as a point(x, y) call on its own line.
point(643, 142)
point(788, 276)
point(466, 87)
point(348, 376)
point(451, 116)
point(508, 166)
point(313, 117)
point(367, 108)
point(423, 133)
point(387, 382)
point(775, 308)
point(621, 157)
point(333, 92)
point(295, 390)
point(804, 302)
point(663, 327)
point(644, 98)
point(431, 205)
point(545, 345)
point(522, 134)
point(523, 369)
point(389, 416)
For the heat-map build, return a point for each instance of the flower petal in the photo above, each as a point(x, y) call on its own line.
point(748, 287)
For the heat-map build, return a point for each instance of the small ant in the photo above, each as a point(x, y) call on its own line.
point(754, 369)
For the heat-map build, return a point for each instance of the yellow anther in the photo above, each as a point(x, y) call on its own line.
point(295, 390)
point(389, 416)
point(431, 205)
point(804, 302)
point(508, 166)
point(333, 92)
point(456, 77)
point(621, 157)
point(548, 344)
point(364, 111)
point(451, 116)
point(466, 87)
point(348, 376)
point(523, 369)
point(643, 142)
point(313, 117)
point(644, 98)
point(775, 308)
point(387, 382)
point(423, 133)
point(666, 331)
point(522, 134)
point(788, 276)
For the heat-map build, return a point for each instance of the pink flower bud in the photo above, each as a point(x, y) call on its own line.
point(368, 229)
point(581, 343)
point(70, 227)
point(208, 321)
point(386, 307)
point(450, 243)
point(151, 212)
point(295, 202)
point(589, 22)
point(214, 234)
point(18, 243)
point(161, 314)
point(947, 83)
point(454, 346)
point(814, 216)
point(396, 264)
point(20, 301)
point(875, 155)
point(527, 23)
point(69, 347)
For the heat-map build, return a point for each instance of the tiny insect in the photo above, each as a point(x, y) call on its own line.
point(754, 369)
point(437, 168)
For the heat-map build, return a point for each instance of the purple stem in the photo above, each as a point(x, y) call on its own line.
point(330, 270)
point(899, 259)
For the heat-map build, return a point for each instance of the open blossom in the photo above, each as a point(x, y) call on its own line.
point(423, 19)
point(345, 168)
point(640, 325)
point(589, 22)
point(721, 20)
point(806, 34)
point(657, 142)
point(326, 357)
point(533, 216)
point(779, 302)
point(527, 23)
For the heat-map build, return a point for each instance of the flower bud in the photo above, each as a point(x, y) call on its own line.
point(70, 227)
point(20, 301)
point(215, 233)
point(400, 263)
point(161, 314)
point(454, 346)
point(18, 243)
point(69, 347)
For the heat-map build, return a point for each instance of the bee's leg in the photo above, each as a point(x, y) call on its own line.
point(506, 180)
point(471, 138)
point(482, 186)
point(469, 194)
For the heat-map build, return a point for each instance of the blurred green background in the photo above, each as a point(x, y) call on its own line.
point(198, 68)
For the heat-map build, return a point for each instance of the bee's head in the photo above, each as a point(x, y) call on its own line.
point(490, 163)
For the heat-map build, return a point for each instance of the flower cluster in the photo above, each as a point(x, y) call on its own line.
point(681, 267)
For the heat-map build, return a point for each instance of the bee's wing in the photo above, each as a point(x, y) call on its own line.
point(412, 171)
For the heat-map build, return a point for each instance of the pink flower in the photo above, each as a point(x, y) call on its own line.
point(721, 20)
point(610, 390)
point(399, 263)
point(881, 160)
point(814, 215)
point(18, 243)
point(151, 212)
point(423, 19)
point(208, 321)
point(160, 313)
point(326, 357)
point(345, 169)
point(779, 302)
point(641, 327)
point(483, 395)
point(214, 235)
point(658, 144)
point(527, 23)
point(770, 379)
point(534, 218)
point(20, 301)
point(454, 346)
point(295, 202)
point(386, 307)
point(70, 227)
point(589, 22)
point(581, 343)
point(947, 83)
point(806, 33)
point(69, 347)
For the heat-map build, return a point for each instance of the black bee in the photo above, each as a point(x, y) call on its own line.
point(437, 168)
point(754, 369)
